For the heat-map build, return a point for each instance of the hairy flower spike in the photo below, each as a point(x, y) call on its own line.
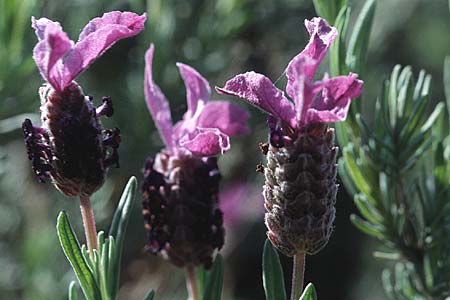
point(300, 191)
point(300, 186)
point(180, 188)
point(71, 148)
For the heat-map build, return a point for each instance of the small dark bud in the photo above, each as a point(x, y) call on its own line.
point(276, 138)
point(264, 147)
point(260, 168)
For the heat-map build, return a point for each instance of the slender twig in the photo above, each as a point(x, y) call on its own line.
point(89, 224)
point(192, 283)
point(298, 275)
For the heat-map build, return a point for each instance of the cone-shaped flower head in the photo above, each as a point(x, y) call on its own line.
point(181, 184)
point(71, 148)
point(300, 187)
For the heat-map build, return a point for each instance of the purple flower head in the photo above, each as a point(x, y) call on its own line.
point(312, 102)
point(71, 148)
point(206, 126)
point(60, 60)
point(181, 184)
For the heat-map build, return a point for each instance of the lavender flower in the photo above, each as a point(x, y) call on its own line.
point(300, 186)
point(181, 184)
point(71, 148)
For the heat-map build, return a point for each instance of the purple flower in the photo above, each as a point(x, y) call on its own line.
point(206, 126)
point(300, 175)
point(312, 102)
point(181, 185)
point(72, 148)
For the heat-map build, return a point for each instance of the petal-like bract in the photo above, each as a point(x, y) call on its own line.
point(322, 36)
point(197, 88)
point(229, 117)
point(98, 36)
point(60, 60)
point(333, 104)
point(207, 142)
point(157, 102)
point(259, 91)
point(52, 46)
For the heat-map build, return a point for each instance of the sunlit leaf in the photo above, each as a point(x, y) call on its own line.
point(309, 293)
point(150, 295)
point(72, 250)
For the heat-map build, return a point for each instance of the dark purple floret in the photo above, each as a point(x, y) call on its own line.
point(71, 148)
point(180, 208)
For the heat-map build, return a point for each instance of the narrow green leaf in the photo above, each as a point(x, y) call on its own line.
point(71, 249)
point(119, 225)
point(273, 279)
point(201, 279)
point(358, 178)
point(214, 282)
point(73, 291)
point(309, 293)
point(150, 295)
point(324, 8)
point(366, 227)
point(359, 40)
point(367, 209)
point(338, 49)
point(345, 178)
point(392, 100)
point(433, 117)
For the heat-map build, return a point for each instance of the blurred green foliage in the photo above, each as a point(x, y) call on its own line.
point(220, 38)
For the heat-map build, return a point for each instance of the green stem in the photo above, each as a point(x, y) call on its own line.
point(298, 275)
point(192, 283)
point(89, 224)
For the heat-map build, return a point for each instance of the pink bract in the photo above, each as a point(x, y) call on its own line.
point(321, 101)
point(206, 126)
point(60, 60)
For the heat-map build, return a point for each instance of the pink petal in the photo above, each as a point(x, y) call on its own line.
point(197, 88)
point(260, 91)
point(207, 142)
point(322, 35)
point(229, 117)
point(299, 87)
point(39, 26)
point(333, 104)
point(52, 46)
point(157, 102)
point(97, 37)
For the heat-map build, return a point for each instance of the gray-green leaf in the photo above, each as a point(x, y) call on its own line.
point(309, 293)
point(73, 291)
point(72, 250)
point(273, 279)
point(119, 225)
point(150, 295)
point(214, 282)
point(359, 40)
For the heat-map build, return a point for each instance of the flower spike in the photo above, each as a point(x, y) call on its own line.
point(71, 148)
point(181, 183)
point(300, 176)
